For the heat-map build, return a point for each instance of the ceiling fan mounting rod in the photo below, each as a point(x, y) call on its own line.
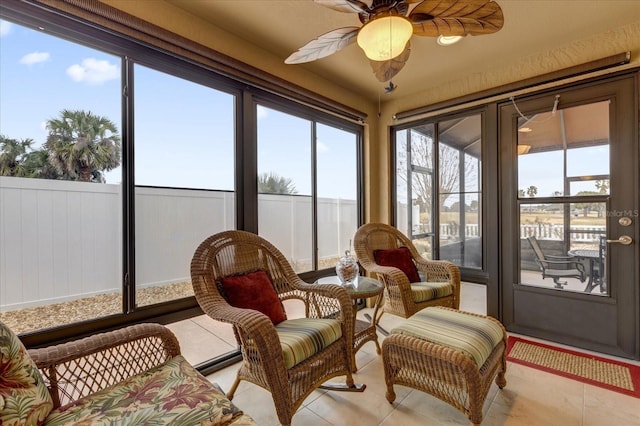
point(384, 8)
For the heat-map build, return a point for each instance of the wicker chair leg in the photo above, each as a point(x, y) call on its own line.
point(285, 422)
point(389, 375)
point(350, 382)
point(501, 380)
point(390, 394)
point(476, 401)
point(234, 386)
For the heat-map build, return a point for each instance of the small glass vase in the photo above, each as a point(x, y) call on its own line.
point(347, 268)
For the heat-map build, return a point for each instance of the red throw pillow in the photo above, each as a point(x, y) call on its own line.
point(254, 291)
point(399, 258)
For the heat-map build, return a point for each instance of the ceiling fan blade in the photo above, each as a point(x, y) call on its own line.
point(456, 17)
point(386, 70)
point(325, 45)
point(348, 6)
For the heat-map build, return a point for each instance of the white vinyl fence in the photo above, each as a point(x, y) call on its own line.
point(542, 231)
point(62, 240)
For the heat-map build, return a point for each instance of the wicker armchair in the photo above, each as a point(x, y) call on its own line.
point(128, 376)
point(403, 298)
point(230, 253)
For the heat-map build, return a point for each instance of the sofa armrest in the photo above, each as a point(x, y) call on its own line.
point(79, 368)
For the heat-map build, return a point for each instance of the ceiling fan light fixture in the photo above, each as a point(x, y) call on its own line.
point(448, 40)
point(384, 38)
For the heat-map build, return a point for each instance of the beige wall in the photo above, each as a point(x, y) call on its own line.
point(377, 170)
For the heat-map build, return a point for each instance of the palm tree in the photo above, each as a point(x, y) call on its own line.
point(602, 186)
point(82, 145)
point(38, 165)
point(532, 191)
point(271, 183)
point(12, 156)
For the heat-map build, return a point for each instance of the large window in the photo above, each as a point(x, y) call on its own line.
point(184, 175)
point(439, 188)
point(60, 181)
point(284, 185)
point(292, 192)
point(117, 160)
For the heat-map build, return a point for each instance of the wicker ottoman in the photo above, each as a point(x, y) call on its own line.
point(450, 354)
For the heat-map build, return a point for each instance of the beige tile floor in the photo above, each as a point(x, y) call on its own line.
point(531, 397)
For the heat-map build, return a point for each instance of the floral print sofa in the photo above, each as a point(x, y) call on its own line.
point(131, 376)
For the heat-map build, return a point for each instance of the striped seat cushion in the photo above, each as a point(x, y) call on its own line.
point(424, 291)
point(474, 336)
point(303, 337)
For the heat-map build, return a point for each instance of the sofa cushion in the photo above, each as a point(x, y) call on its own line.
point(24, 398)
point(399, 258)
point(302, 338)
point(424, 291)
point(172, 393)
point(253, 291)
point(473, 335)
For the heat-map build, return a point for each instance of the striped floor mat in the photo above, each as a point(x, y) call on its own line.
point(609, 374)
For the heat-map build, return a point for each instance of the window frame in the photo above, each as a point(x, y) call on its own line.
point(486, 112)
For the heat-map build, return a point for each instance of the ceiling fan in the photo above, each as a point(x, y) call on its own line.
point(389, 24)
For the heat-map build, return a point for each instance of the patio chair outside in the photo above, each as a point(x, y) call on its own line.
point(557, 267)
point(233, 253)
point(402, 297)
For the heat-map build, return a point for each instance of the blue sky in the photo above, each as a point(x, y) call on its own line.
point(184, 131)
point(544, 170)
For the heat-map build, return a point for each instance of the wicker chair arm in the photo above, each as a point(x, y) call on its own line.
point(396, 283)
point(79, 368)
point(108, 341)
point(392, 276)
point(437, 270)
point(250, 325)
point(441, 270)
point(391, 272)
point(341, 298)
point(330, 300)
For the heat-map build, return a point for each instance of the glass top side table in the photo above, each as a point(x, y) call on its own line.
point(362, 288)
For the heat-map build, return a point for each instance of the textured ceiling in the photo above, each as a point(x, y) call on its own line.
point(282, 26)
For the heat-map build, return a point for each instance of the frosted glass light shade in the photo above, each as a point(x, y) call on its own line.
point(385, 38)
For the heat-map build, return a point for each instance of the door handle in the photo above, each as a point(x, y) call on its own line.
point(624, 240)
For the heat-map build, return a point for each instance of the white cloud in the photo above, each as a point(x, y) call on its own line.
point(321, 147)
point(5, 27)
point(35, 58)
point(93, 71)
